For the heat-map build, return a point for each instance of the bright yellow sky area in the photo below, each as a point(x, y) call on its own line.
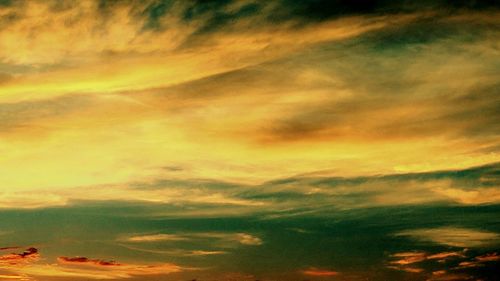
point(106, 103)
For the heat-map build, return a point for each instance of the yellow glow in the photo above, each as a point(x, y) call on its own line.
point(142, 111)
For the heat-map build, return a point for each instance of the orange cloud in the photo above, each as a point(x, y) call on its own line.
point(124, 269)
point(445, 255)
point(13, 277)
point(408, 258)
point(405, 260)
point(28, 256)
point(319, 272)
point(86, 261)
point(488, 257)
point(479, 261)
point(25, 265)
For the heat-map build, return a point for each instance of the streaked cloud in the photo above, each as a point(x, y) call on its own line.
point(177, 252)
point(488, 257)
point(13, 277)
point(281, 197)
point(247, 239)
point(454, 236)
point(480, 261)
point(156, 238)
point(482, 196)
point(28, 264)
point(409, 269)
point(450, 277)
point(86, 261)
point(28, 256)
point(242, 238)
point(440, 265)
point(319, 272)
point(93, 272)
point(408, 258)
point(412, 262)
point(147, 138)
point(9, 248)
point(445, 255)
point(166, 76)
point(159, 196)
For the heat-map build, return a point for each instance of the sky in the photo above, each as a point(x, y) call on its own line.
point(244, 140)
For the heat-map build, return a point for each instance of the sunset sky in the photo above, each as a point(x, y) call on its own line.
point(243, 140)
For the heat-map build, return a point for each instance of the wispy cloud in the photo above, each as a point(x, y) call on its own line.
point(435, 266)
point(479, 261)
point(28, 264)
point(253, 110)
point(319, 272)
point(241, 238)
point(165, 76)
point(156, 238)
point(177, 252)
point(408, 258)
point(454, 236)
point(13, 277)
point(292, 196)
point(28, 256)
point(411, 261)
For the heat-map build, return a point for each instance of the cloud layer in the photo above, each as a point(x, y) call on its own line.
point(249, 140)
point(243, 91)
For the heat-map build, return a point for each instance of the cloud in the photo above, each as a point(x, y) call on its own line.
point(28, 256)
point(174, 195)
point(205, 253)
point(292, 196)
point(4, 78)
point(481, 196)
point(324, 9)
point(358, 114)
point(90, 42)
point(16, 116)
point(418, 262)
point(14, 277)
point(252, 108)
point(86, 261)
point(226, 239)
point(443, 276)
point(9, 248)
point(405, 261)
point(156, 238)
point(479, 261)
point(445, 255)
point(488, 257)
point(409, 269)
point(218, 242)
point(119, 269)
point(26, 265)
point(177, 252)
point(408, 258)
point(442, 265)
point(247, 239)
point(165, 76)
point(242, 238)
point(454, 236)
point(319, 272)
